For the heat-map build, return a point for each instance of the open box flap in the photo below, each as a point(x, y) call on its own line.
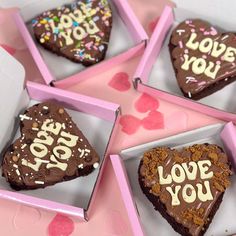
point(54, 206)
point(126, 192)
point(154, 46)
point(176, 140)
point(12, 76)
point(93, 106)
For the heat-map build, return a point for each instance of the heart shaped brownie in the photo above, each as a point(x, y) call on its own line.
point(186, 186)
point(79, 31)
point(204, 59)
point(51, 149)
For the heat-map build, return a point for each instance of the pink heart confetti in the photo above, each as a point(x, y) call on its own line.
point(153, 121)
point(146, 103)
point(130, 124)
point(61, 226)
point(120, 82)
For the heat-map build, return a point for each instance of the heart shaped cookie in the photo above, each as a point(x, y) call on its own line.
point(186, 186)
point(79, 31)
point(204, 60)
point(51, 149)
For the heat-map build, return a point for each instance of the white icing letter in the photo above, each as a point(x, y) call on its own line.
point(58, 164)
point(87, 11)
point(35, 166)
point(67, 36)
point(204, 167)
point(206, 45)
point(43, 138)
point(70, 140)
point(55, 28)
point(66, 21)
point(217, 52)
point(178, 178)
point(38, 150)
point(212, 74)
point(187, 62)
point(190, 175)
point(62, 152)
point(79, 33)
point(53, 127)
point(174, 195)
point(77, 16)
point(230, 54)
point(204, 196)
point(191, 197)
point(190, 44)
point(91, 27)
point(163, 180)
point(199, 66)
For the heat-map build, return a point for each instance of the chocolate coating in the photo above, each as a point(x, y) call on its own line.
point(79, 31)
point(51, 149)
point(197, 83)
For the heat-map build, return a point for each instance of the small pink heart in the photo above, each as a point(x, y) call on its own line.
point(130, 124)
point(153, 121)
point(146, 103)
point(9, 49)
point(120, 82)
point(152, 25)
point(61, 226)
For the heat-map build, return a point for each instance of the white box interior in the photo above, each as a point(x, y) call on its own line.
point(75, 192)
point(153, 223)
point(163, 76)
point(60, 67)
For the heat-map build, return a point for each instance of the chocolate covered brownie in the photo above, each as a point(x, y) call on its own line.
point(51, 149)
point(203, 58)
point(186, 186)
point(79, 31)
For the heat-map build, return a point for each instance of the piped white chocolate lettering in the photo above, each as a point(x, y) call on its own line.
point(67, 27)
point(189, 171)
point(61, 151)
point(210, 47)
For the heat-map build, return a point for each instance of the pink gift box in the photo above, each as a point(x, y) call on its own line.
point(127, 34)
point(143, 218)
point(97, 119)
point(155, 74)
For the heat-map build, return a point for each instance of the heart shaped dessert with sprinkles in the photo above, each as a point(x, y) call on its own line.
point(51, 149)
point(204, 59)
point(79, 31)
point(186, 186)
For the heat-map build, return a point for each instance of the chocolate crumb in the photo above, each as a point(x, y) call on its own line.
point(15, 158)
